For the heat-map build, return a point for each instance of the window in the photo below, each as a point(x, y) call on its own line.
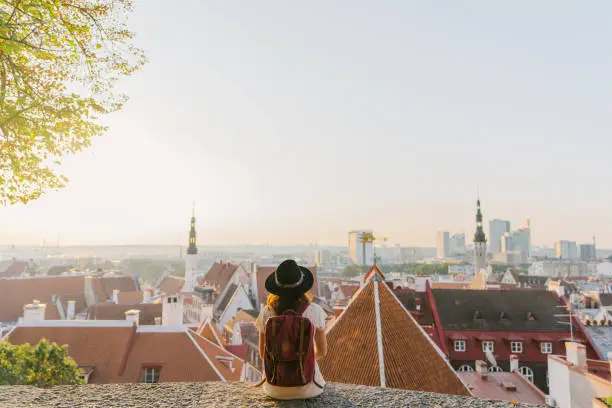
point(459, 345)
point(546, 348)
point(151, 375)
point(516, 347)
point(527, 373)
point(465, 369)
point(495, 369)
point(488, 345)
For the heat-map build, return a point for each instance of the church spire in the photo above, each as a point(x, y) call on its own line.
point(479, 236)
point(192, 249)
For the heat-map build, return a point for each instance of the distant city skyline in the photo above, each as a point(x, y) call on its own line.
point(295, 122)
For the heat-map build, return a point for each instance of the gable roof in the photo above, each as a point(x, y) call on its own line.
point(231, 290)
point(16, 268)
point(15, 293)
point(130, 298)
point(209, 331)
point(171, 285)
point(119, 353)
point(219, 275)
point(376, 342)
point(456, 310)
point(264, 271)
point(492, 388)
point(111, 311)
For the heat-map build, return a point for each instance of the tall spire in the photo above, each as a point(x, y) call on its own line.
point(479, 236)
point(192, 249)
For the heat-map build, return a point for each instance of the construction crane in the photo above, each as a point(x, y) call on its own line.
point(369, 238)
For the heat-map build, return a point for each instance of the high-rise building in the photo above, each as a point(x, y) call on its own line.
point(587, 252)
point(191, 258)
point(457, 244)
point(480, 242)
point(566, 250)
point(521, 240)
point(361, 251)
point(497, 229)
point(443, 244)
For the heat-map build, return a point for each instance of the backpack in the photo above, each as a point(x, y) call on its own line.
point(289, 359)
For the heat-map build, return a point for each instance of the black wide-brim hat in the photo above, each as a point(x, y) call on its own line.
point(289, 279)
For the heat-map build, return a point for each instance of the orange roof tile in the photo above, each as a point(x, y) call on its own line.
point(219, 274)
point(209, 330)
point(374, 270)
point(119, 354)
point(111, 311)
point(130, 298)
point(171, 285)
point(410, 359)
point(15, 293)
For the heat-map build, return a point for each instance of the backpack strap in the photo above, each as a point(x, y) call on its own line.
point(301, 350)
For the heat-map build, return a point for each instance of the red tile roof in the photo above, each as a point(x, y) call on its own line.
point(171, 285)
point(58, 270)
point(264, 271)
point(219, 274)
point(209, 331)
point(410, 358)
point(119, 354)
point(111, 311)
point(492, 388)
point(15, 293)
point(348, 290)
point(17, 268)
point(130, 298)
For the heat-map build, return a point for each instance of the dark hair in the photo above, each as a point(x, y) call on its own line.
point(279, 304)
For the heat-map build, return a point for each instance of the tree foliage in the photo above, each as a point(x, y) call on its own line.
point(59, 62)
point(42, 365)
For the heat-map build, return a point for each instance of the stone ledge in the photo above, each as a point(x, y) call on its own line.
point(217, 395)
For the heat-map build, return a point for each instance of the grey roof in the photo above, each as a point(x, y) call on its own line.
point(482, 310)
point(602, 339)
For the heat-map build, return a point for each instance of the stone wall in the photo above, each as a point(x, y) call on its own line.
point(217, 395)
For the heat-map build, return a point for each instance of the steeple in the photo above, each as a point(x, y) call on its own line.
point(192, 249)
point(479, 235)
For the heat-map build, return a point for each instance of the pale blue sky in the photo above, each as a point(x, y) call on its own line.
point(294, 122)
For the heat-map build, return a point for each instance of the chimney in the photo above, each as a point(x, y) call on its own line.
point(90, 294)
point(576, 354)
point(172, 310)
point(133, 315)
point(34, 312)
point(70, 310)
point(253, 276)
point(116, 296)
point(146, 296)
point(157, 320)
point(514, 363)
point(481, 369)
point(206, 311)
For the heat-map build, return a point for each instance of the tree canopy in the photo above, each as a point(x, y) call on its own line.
point(42, 365)
point(59, 62)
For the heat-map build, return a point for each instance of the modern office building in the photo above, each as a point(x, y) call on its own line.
point(587, 252)
point(497, 229)
point(566, 250)
point(443, 244)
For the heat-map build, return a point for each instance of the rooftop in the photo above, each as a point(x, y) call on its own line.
point(221, 395)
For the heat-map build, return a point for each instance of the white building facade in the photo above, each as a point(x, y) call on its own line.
point(360, 253)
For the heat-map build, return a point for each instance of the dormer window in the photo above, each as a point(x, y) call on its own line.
point(477, 315)
point(503, 317)
point(150, 375)
point(530, 317)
